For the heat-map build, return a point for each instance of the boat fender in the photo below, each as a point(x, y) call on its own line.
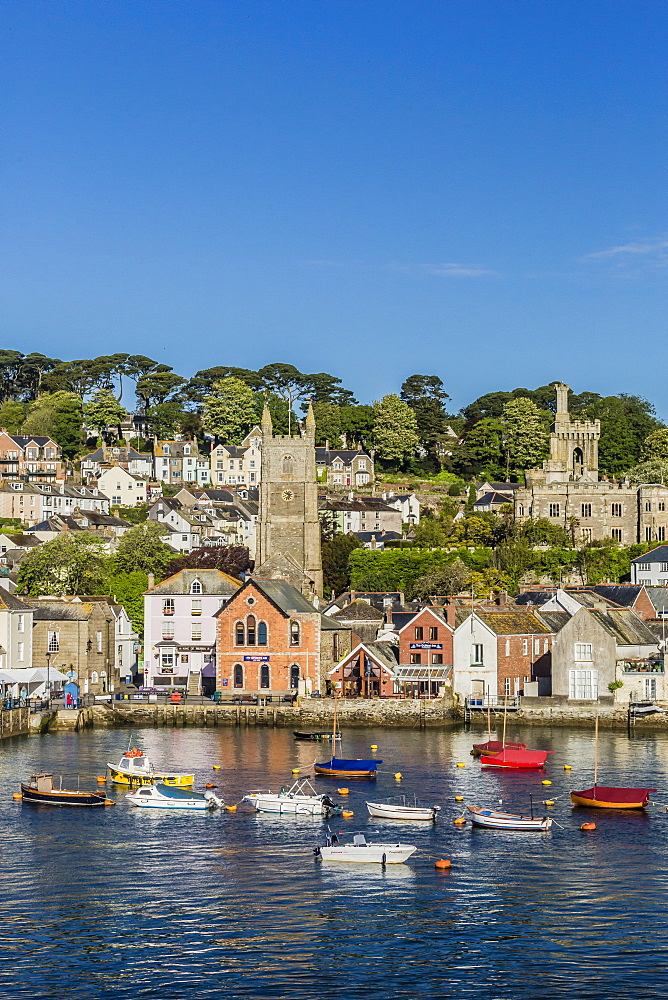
point(588, 826)
point(442, 863)
point(383, 859)
point(460, 821)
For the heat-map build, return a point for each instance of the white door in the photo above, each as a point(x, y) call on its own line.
point(650, 688)
point(583, 685)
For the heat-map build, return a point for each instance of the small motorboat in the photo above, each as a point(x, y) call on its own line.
point(606, 797)
point(521, 760)
point(161, 796)
point(362, 851)
point(507, 821)
point(341, 767)
point(135, 768)
point(492, 747)
point(317, 737)
point(299, 800)
point(42, 790)
point(394, 810)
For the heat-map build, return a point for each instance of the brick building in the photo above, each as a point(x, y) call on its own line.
point(272, 641)
point(38, 458)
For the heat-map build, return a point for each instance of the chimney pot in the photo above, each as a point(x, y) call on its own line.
point(151, 581)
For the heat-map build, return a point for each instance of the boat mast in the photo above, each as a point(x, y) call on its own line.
point(489, 720)
point(596, 751)
point(505, 717)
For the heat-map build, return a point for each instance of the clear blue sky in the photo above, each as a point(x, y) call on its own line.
point(469, 188)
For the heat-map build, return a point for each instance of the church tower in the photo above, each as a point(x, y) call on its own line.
point(573, 445)
point(288, 540)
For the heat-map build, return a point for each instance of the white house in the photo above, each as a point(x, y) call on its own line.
point(232, 465)
point(122, 487)
point(407, 503)
point(180, 628)
point(651, 568)
point(16, 620)
point(474, 657)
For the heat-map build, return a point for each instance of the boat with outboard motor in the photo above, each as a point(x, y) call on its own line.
point(402, 811)
point(361, 850)
point(301, 799)
point(43, 791)
point(160, 796)
point(135, 768)
point(316, 737)
point(494, 820)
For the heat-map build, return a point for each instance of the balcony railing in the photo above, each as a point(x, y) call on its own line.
point(653, 665)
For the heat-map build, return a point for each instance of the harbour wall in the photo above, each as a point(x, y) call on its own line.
point(14, 722)
point(547, 711)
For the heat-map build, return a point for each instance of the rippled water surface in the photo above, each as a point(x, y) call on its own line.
point(123, 902)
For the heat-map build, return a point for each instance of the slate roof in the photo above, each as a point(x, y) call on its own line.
point(24, 541)
point(386, 653)
point(213, 582)
point(501, 487)
point(659, 554)
point(489, 498)
point(380, 536)
point(10, 603)
point(48, 611)
point(623, 595)
point(535, 597)
point(23, 440)
point(402, 618)
point(555, 620)
point(359, 611)
point(659, 597)
point(323, 456)
point(513, 622)
point(625, 627)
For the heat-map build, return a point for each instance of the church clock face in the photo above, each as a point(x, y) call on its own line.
point(288, 496)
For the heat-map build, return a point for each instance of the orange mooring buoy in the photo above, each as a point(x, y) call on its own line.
point(588, 826)
point(460, 821)
point(210, 784)
point(443, 863)
point(231, 809)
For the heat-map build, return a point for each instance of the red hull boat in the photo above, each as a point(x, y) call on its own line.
point(494, 746)
point(609, 797)
point(517, 759)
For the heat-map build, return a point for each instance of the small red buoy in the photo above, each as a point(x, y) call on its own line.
point(443, 863)
point(210, 784)
point(588, 826)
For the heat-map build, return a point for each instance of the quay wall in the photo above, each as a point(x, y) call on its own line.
point(549, 711)
point(14, 722)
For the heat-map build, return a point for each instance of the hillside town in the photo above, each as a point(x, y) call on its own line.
point(243, 570)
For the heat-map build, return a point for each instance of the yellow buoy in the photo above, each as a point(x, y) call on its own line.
point(546, 782)
point(101, 779)
point(216, 767)
point(567, 767)
point(373, 747)
point(343, 791)
point(398, 776)
point(347, 813)
point(231, 809)
point(459, 798)
point(460, 821)
point(295, 770)
point(442, 863)
point(548, 802)
point(18, 796)
point(461, 765)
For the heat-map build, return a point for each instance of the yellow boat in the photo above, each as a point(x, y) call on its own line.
point(135, 768)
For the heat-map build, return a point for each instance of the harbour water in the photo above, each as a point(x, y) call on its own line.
point(129, 903)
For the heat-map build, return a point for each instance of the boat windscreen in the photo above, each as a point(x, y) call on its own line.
point(172, 792)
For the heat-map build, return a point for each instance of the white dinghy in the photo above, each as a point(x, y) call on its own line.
point(362, 851)
point(494, 820)
point(301, 799)
point(167, 797)
point(402, 811)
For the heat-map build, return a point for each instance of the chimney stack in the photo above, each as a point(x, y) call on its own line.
point(151, 581)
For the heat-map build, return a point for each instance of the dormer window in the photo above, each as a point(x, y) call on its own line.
point(195, 587)
point(186, 449)
point(165, 449)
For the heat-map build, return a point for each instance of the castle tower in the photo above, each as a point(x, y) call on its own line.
point(573, 445)
point(288, 540)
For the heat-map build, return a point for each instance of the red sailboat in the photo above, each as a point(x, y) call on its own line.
point(609, 797)
point(492, 746)
point(513, 755)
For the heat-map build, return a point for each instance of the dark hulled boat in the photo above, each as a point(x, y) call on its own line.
point(317, 737)
point(42, 790)
point(494, 746)
point(340, 767)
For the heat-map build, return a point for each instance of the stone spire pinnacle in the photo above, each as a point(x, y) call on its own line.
point(266, 424)
point(309, 423)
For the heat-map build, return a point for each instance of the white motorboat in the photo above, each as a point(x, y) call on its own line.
point(507, 821)
point(362, 851)
point(301, 799)
point(161, 796)
point(402, 811)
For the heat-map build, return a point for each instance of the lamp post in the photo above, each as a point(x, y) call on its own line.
point(48, 678)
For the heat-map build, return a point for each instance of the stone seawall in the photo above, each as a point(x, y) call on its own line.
point(313, 713)
point(14, 722)
point(545, 712)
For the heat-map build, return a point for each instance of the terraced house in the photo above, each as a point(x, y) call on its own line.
point(38, 458)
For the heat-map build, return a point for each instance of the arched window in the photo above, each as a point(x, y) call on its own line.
point(264, 675)
point(195, 587)
point(294, 634)
point(262, 633)
point(520, 510)
point(94, 677)
point(240, 637)
point(250, 630)
point(238, 675)
point(294, 676)
point(288, 465)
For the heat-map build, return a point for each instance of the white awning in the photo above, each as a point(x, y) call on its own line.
point(31, 675)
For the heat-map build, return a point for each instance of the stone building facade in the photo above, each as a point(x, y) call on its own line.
point(567, 490)
point(79, 638)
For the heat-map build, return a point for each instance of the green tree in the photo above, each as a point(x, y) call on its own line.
point(336, 562)
point(128, 589)
point(58, 415)
point(230, 411)
point(655, 446)
point(525, 435)
point(655, 471)
point(481, 450)
point(230, 559)
point(427, 398)
point(442, 581)
point(327, 424)
point(142, 549)
point(12, 415)
point(626, 423)
point(103, 411)
point(395, 430)
point(429, 533)
point(155, 387)
point(72, 563)
point(357, 424)
point(165, 419)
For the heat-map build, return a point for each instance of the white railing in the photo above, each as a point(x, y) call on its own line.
point(493, 701)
